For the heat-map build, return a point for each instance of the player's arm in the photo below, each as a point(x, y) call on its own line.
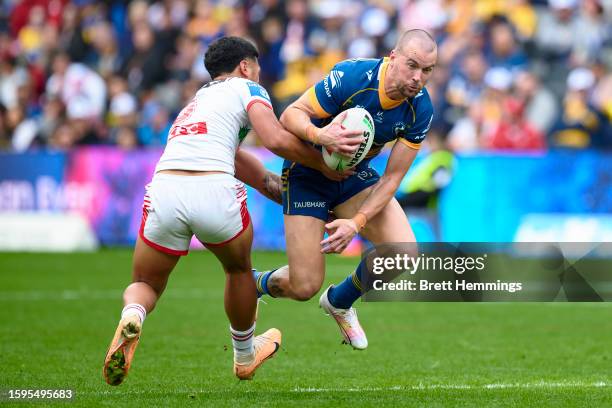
point(250, 170)
point(296, 119)
point(282, 143)
point(401, 158)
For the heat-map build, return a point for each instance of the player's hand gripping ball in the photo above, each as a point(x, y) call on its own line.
point(356, 119)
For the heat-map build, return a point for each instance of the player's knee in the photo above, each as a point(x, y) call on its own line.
point(235, 269)
point(306, 292)
point(156, 285)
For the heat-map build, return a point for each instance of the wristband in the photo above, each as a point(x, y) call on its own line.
point(360, 219)
point(312, 134)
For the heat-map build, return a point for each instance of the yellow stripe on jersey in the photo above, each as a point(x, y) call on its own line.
point(386, 102)
point(348, 100)
point(408, 143)
point(288, 198)
point(413, 111)
point(316, 106)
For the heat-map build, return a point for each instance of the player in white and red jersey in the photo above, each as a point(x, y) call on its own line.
point(196, 191)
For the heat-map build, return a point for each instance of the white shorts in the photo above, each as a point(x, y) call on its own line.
point(211, 207)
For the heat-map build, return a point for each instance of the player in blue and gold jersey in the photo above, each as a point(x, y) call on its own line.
point(393, 91)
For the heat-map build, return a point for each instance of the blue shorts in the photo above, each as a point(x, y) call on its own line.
point(309, 192)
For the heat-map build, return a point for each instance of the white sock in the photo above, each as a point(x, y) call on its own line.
point(134, 308)
point(244, 353)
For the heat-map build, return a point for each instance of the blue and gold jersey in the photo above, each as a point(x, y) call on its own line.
point(361, 83)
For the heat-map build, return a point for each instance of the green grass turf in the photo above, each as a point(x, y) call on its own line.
point(59, 312)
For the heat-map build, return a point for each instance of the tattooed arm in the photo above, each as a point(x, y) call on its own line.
point(251, 171)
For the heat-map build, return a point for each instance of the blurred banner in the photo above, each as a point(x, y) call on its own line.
point(492, 198)
point(491, 195)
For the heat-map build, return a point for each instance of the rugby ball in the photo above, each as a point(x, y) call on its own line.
point(356, 119)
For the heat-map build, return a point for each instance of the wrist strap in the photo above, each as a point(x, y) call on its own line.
point(312, 133)
point(360, 219)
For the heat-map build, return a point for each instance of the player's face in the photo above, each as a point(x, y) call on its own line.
point(409, 71)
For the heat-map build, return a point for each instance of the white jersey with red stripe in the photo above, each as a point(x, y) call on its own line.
point(208, 131)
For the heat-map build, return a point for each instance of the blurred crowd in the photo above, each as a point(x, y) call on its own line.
point(512, 74)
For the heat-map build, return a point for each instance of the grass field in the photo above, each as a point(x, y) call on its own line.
point(58, 313)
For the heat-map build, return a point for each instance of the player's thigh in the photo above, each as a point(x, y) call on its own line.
point(389, 225)
point(306, 262)
point(350, 207)
point(219, 218)
point(152, 266)
point(235, 255)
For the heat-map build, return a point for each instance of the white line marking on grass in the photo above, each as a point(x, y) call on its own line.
point(421, 387)
point(418, 387)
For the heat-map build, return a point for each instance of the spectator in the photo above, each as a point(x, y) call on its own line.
point(30, 37)
point(81, 89)
point(83, 71)
point(23, 129)
point(467, 85)
point(107, 59)
point(512, 131)
point(126, 138)
point(12, 76)
point(504, 50)
point(581, 125)
point(541, 107)
point(63, 138)
point(154, 124)
point(299, 28)
point(146, 67)
point(5, 136)
point(53, 115)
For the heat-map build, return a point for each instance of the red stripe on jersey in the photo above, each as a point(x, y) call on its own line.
point(254, 101)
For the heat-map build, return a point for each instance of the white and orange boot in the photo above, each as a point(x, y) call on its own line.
point(265, 345)
point(347, 321)
point(121, 351)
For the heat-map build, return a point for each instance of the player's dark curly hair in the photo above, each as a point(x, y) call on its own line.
point(224, 55)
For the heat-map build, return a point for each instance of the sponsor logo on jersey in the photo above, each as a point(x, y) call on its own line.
point(364, 175)
point(258, 90)
point(379, 117)
point(192, 129)
point(309, 204)
point(326, 86)
point(369, 74)
point(335, 78)
point(399, 129)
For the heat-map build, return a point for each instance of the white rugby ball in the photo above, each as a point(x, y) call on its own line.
point(356, 119)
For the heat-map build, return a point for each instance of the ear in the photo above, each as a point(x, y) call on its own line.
point(393, 54)
point(244, 68)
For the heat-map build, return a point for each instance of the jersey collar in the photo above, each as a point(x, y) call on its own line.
point(385, 101)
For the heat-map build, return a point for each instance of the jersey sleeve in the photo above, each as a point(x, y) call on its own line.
point(414, 136)
point(251, 93)
point(327, 96)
